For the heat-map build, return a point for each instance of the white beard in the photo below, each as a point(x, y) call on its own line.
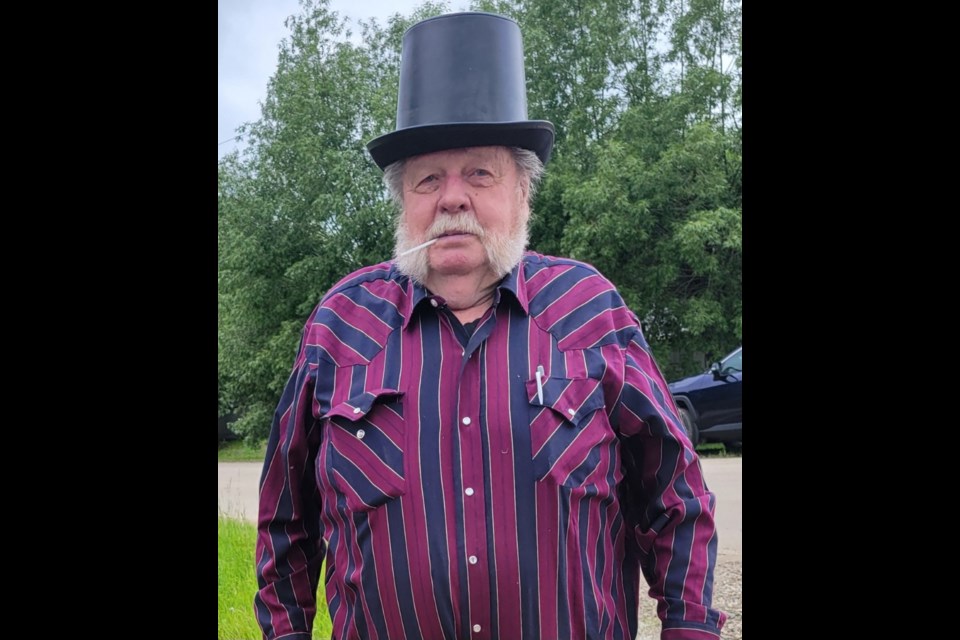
point(504, 250)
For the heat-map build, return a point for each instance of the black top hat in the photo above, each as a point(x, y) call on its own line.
point(462, 84)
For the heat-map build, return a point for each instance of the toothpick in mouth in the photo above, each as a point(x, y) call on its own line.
point(418, 247)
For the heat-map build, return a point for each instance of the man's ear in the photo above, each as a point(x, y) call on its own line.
point(525, 190)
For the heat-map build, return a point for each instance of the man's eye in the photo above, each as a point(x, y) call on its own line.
point(428, 180)
point(482, 173)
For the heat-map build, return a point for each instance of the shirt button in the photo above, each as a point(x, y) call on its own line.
point(433, 302)
point(571, 412)
point(472, 559)
point(466, 421)
point(357, 409)
point(476, 628)
point(361, 433)
point(469, 491)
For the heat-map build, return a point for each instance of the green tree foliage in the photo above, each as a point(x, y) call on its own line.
point(644, 183)
point(303, 206)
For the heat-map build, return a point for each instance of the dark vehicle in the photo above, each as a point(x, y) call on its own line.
point(711, 403)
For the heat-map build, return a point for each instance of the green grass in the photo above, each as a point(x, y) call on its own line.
point(239, 451)
point(716, 450)
point(237, 584)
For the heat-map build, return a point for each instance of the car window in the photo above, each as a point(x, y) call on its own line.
point(733, 362)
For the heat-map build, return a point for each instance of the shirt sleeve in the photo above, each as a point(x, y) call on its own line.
point(289, 547)
point(668, 505)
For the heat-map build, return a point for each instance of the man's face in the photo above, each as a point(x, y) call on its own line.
point(474, 201)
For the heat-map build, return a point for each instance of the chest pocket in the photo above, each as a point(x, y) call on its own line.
point(366, 439)
point(570, 439)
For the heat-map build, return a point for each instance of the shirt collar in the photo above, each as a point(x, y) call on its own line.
point(514, 282)
point(415, 295)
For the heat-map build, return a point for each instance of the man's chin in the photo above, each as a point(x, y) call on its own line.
point(456, 263)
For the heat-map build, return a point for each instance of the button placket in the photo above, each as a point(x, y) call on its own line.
point(471, 433)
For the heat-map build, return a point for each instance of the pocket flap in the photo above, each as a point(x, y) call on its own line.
point(360, 405)
point(573, 398)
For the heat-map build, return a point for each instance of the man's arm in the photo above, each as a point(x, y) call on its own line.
point(289, 549)
point(671, 510)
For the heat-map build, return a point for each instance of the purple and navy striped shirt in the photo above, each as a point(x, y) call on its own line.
point(454, 493)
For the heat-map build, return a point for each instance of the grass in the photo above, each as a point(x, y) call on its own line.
point(239, 451)
point(237, 584)
point(716, 450)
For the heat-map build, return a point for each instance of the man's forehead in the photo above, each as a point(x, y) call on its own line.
point(493, 153)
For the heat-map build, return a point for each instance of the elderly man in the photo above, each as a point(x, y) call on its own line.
point(476, 438)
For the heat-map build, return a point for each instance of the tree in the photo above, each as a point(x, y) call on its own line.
point(304, 206)
point(634, 196)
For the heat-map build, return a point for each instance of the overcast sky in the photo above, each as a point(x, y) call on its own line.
point(248, 34)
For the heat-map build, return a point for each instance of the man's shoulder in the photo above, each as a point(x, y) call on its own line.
point(355, 317)
point(382, 276)
point(376, 288)
point(552, 276)
point(575, 302)
point(535, 262)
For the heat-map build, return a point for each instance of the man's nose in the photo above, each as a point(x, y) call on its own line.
point(453, 195)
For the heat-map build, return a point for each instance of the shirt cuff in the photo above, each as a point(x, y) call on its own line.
point(689, 634)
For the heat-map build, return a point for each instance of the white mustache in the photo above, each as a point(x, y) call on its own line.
point(461, 223)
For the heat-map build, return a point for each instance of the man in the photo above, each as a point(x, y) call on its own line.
point(476, 439)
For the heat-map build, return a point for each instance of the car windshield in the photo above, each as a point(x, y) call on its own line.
point(733, 362)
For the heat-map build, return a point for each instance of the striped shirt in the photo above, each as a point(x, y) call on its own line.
point(512, 482)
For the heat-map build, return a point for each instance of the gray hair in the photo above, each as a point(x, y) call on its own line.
point(529, 167)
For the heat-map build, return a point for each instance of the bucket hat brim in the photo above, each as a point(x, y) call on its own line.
point(535, 135)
